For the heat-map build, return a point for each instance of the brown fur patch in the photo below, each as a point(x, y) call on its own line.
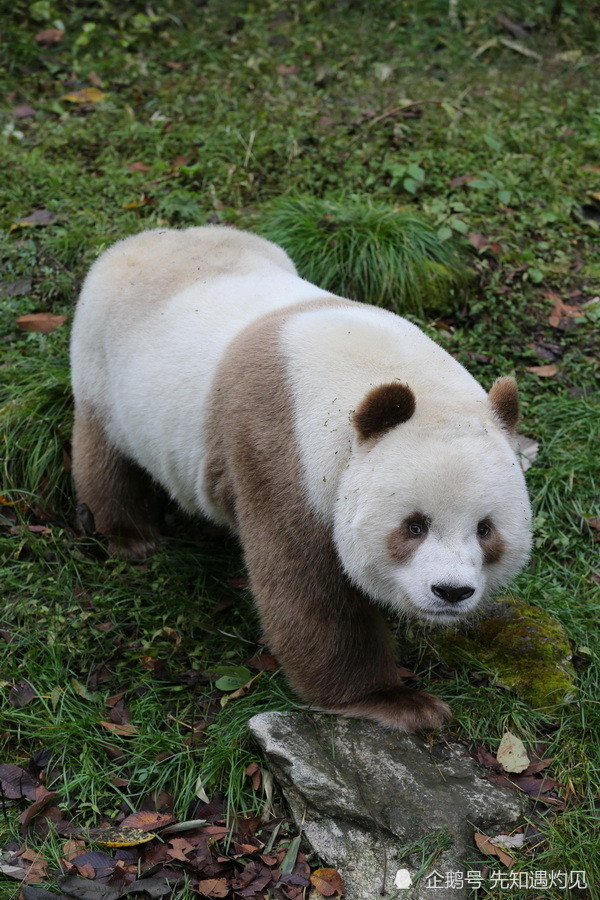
point(504, 400)
point(333, 643)
point(114, 495)
point(401, 543)
point(383, 408)
point(492, 546)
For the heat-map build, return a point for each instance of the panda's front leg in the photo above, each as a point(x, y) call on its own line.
point(333, 644)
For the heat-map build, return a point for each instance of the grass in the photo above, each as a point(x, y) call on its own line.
point(215, 113)
point(359, 249)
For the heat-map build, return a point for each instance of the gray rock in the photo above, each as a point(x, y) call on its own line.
point(363, 794)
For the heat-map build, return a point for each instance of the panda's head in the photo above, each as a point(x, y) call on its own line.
point(432, 513)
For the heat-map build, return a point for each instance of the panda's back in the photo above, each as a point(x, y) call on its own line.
point(154, 319)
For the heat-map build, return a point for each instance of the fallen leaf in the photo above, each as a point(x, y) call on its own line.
point(83, 889)
point(543, 371)
point(561, 311)
point(35, 217)
point(537, 765)
point(190, 825)
point(72, 848)
point(124, 730)
point(199, 790)
point(213, 887)
point(178, 848)
point(50, 36)
point(253, 772)
point(512, 754)
point(23, 112)
point(35, 866)
point(148, 821)
point(242, 691)
point(535, 786)
point(94, 864)
point(8, 867)
point(477, 240)
point(36, 893)
point(44, 323)
point(153, 887)
point(508, 841)
point(15, 288)
point(44, 797)
point(119, 713)
point(117, 837)
point(459, 180)
point(15, 782)
point(527, 451)
point(328, 882)
point(21, 694)
point(85, 95)
point(484, 845)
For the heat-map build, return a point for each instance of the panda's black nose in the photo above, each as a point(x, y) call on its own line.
point(452, 594)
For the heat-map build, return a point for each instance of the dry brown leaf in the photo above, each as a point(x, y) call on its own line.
point(562, 310)
point(484, 845)
point(124, 730)
point(477, 240)
point(148, 821)
point(213, 887)
point(543, 371)
point(178, 847)
point(253, 772)
point(34, 865)
point(50, 36)
point(44, 797)
point(44, 323)
point(328, 882)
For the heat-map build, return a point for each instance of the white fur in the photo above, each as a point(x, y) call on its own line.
point(146, 367)
point(154, 318)
point(451, 460)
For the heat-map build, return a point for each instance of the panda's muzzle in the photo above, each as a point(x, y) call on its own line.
point(451, 594)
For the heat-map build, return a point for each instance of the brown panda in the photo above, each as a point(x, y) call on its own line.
point(362, 468)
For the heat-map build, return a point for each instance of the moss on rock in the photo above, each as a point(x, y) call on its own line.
point(522, 646)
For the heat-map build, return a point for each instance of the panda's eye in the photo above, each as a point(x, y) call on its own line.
point(416, 527)
point(484, 529)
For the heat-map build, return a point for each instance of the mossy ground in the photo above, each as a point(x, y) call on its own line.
point(210, 112)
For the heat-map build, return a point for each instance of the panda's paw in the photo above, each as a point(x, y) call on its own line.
point(402, 709)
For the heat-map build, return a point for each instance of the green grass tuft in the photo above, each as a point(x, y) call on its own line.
point(368, 251)
point(35, 427)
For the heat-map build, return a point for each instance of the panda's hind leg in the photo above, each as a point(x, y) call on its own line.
point(115, 497)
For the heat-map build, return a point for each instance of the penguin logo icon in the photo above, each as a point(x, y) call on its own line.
point(403, 880)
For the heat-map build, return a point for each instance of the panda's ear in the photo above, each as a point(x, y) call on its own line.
point(504, 401)
point(383, 408)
